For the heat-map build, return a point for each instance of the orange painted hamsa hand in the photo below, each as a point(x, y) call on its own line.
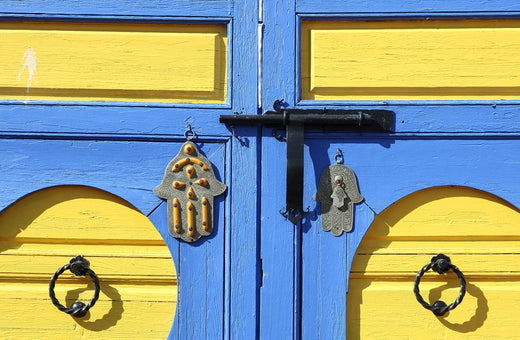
point(189, 186)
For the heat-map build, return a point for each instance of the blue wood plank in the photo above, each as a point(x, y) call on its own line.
point(128, 169)
point(243, 286)
point(277, 308)
point(244, 242)
point(143, 121)
point(324, 266)
point(159, 218)
point(413, 164)
point(458, 117)
point(213, 8)
point(201, 275)
point(334, 7)
point(279, 53)
point(245, 57)
point(280, 241)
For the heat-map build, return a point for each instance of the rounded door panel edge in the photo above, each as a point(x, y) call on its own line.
point(44, 230)
point(478, 231)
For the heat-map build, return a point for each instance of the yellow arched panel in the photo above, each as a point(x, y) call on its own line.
point(481, 235)
point(43, 231)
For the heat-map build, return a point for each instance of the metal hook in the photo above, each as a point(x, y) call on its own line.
point(294, 213)
point(233, 133)
point(338, 157)
point(278, 104)
point(278, 136)
point(189, 134)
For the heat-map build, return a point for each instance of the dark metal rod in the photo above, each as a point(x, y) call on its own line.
point(375, 119)
point(294, 189)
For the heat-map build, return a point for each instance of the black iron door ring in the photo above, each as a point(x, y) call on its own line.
point(79, 266)
point(440, 264)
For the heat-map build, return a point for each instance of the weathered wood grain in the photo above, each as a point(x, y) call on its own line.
point(396, 8)
point(120, 8)
point(280, 307)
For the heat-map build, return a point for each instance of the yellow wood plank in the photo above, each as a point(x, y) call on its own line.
point(122, 312)
point(86, 214)
point(431, 246)
point(389, 310)
point(411, 59)
point(113, 62)
point(109, 268)
point(67, 248)
point(410, 264)
point(441, 213)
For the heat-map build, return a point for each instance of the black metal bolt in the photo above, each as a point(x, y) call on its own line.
point(439, 308)
point(78, 309)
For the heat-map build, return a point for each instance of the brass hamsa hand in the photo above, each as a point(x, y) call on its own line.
point(189, 186)
point(337, 193)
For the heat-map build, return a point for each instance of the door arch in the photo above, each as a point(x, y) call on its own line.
point(42, 231)
point(478, 231)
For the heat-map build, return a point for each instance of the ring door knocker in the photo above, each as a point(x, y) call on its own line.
point(79, 266)
point(440, 264)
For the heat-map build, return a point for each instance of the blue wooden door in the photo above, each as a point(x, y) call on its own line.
point(427, 62)
point(101, 94)
point(258, 275)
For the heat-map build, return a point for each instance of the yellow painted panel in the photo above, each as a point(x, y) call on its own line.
point(136, 272)
point(428, 246)
point(119, 313)
point(113, 62)
point(389, 310)
point(410, 60)
point(481, 235)
point(107, 266)
point(85, 210)
point(456, 213)
point(410, 263)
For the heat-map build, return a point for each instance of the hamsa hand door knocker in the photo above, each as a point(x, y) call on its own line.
point(189, 186)
point(337, 193)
